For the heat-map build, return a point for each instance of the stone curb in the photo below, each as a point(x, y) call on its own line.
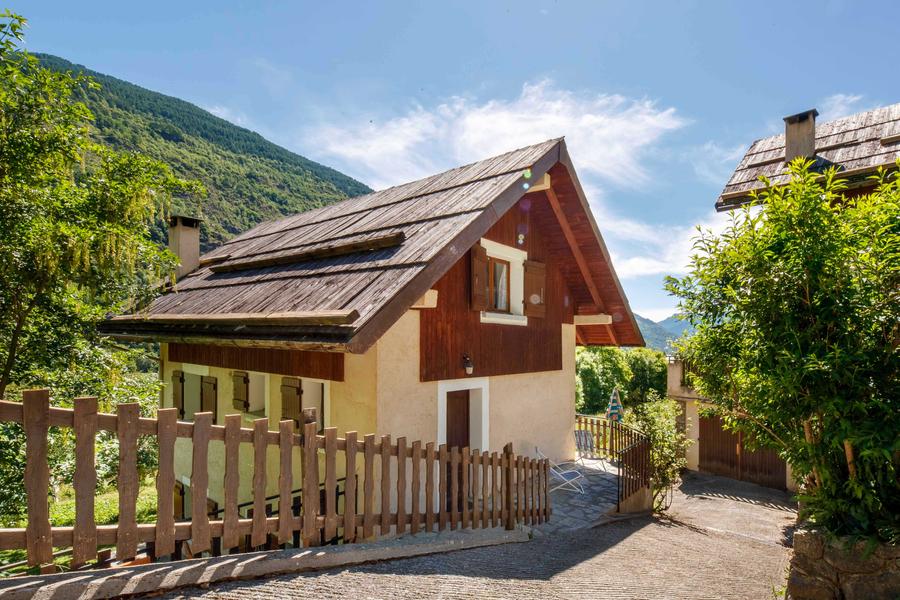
point(161, 577)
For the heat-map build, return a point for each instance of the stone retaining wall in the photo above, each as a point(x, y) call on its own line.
point(824, 569)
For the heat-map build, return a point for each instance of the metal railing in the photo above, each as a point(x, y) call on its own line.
point(626, 446)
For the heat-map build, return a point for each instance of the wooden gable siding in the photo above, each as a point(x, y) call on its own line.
point(296, 363)
point(453, 329)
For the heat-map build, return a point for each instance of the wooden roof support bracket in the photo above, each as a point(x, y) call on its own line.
point(324, 317)
point(576, 252)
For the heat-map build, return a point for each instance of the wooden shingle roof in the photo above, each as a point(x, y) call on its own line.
point(363, 261)
point(857, 145)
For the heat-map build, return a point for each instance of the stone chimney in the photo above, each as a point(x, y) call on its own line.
point(184, 242)
point(800, 135)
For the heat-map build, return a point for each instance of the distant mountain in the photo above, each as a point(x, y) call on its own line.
point(249, 178)
point(660, 334)
point(655, 336)
point(675, 326)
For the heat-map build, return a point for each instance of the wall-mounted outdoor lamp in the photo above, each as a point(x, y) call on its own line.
point(467, 364)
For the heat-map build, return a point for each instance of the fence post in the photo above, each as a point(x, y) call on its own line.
point(509, 509)
point(36, 420)
point(310, 505)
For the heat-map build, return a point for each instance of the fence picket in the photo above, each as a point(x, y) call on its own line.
point(127, 480)
point(350, 488)
point(330, 484)
point(200, 540)
point(84, 536)
point(36, 421)
point(260, 443)
point(401, 485)
point(442, 494)
point(454, 487)
point(310, 505)
point(369, 488)
point(485, 481)
point(166, 430)
point(385, 527)
point(495, 490)
point(429, 487)
point(464, 493)
point(230, 537)
point(416, 487)
point(285, 481)
point(476, 513)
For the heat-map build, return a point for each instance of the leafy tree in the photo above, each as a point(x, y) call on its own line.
point(74, 245)
point(74, 242)
point(648, 374)
point(796, 308)
point(599, 370)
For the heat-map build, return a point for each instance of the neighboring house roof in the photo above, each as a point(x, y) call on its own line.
point(337, 277)
point(857, 145)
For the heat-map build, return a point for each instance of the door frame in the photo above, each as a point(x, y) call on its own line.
point(479, 410)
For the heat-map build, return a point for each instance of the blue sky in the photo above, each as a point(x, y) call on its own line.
point(658, 100)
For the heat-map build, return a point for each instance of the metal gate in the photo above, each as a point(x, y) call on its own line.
point(723, 453)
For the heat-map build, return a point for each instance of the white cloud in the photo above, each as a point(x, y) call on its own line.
point(668, 252)
point(608, 133)
point(714, 163)
point(839, 105)
point(233, 116)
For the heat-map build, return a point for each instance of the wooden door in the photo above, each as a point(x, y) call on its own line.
point(458, 418)
point(724, 453)
point(457, 435)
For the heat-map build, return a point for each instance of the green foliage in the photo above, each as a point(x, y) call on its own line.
point(249, 179)
point(656, 418)
point(74, 245)
point(600, 369)
point(649, 370)
point(797, 314)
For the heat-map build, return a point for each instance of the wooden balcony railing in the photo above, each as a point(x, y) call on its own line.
point(417, 487)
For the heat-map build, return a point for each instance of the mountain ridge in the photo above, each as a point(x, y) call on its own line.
point(249, 179)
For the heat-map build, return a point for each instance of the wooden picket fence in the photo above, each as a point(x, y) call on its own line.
point(474, 489)
point(626, 446)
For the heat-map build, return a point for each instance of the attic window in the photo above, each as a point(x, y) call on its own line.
point(506, 285)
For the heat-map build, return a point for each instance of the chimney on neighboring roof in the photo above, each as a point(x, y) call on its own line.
point(800, 135)
point(184, 242)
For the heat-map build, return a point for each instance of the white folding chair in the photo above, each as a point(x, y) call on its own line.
point(568, 479)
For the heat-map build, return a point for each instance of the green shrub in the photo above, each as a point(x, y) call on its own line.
point(796, 309)
point(656, 418)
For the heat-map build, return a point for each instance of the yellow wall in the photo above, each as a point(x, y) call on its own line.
point(537, 409)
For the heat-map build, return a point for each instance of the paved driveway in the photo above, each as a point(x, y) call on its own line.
point(708, 554)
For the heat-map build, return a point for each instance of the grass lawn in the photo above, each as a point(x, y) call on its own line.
point(106, 512)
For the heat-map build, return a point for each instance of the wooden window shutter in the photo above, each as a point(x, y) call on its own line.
point(535, 289)
point(480, 278)
point(291, 394)
point(178, 392)
point(241, 398)
point(208, 388)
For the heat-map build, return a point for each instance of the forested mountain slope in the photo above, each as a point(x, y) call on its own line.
point(249, 179)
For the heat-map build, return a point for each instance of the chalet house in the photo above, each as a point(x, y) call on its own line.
point(446, 309)
point(857, 146)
